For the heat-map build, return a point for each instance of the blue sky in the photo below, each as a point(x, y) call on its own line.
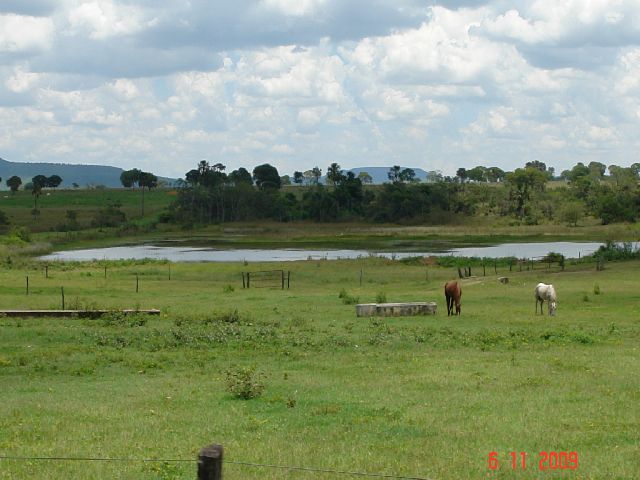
point(162, 84)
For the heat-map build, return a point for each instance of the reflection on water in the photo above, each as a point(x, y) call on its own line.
point(193, 254)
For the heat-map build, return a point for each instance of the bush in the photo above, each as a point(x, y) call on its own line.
point(347, 299)
point(111, 216)
point(617, 251)
point(244, 382)
point(4, 219)
point(381, 298)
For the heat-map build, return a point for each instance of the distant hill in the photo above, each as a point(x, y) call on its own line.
point(83, 175)
point(379, 174)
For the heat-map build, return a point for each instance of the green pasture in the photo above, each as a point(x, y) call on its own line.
point(428, 397)
point(54, 204)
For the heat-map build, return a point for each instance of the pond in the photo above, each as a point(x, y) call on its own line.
point(202, 254)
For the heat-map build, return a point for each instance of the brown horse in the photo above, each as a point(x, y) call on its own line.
point(452, 293)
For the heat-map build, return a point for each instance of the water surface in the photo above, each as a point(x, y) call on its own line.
point(208, 254)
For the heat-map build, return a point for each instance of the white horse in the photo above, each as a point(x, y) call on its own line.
point(548, 293)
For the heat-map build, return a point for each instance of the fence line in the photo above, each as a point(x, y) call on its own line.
point(247, 464)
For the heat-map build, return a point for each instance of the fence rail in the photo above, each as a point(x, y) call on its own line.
point(266, 279)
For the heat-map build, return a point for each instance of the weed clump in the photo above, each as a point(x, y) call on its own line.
point(348, 299)
point(244, 382)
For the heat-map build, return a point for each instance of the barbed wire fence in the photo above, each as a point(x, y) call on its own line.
point(209, 464)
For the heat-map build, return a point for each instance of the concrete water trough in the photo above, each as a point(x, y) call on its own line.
point(73, 313)
point(396, 309)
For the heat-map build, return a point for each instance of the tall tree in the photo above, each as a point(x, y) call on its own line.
point(298, 177)
point(537, 164)
point(241, 176)
point(14, 183)
point(365, 177)
point(477, 174)
point(523, 183)
point(394, 174)
point(146, 180)
point(39, 181)
point(266, 177)
point(495, 174)
point(317, 173)
point(54, 181)
point(597, 169)
point(37, 184)
point(408, 175)
point(334, 174)
point(129, 178)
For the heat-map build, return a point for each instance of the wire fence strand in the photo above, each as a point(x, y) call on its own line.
point(182, 460)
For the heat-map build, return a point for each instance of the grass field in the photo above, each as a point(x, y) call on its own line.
point(422, 396)
point(54, 204)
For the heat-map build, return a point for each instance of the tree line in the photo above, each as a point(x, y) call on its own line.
point(38, 182)
point(208, 194)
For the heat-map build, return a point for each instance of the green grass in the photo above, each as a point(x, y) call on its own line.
point(53, 205)
point(423, 396)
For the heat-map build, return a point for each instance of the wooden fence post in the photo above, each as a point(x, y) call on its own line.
point(460, 275)
point(62, 293)
point(282, 279)
point(105, 271)
point(210, 462)
point(136, 283)
point(360, 277)
point(288, 278)
point(27, 284)
point(46, 271)
point(243, 284)
point(484, 272)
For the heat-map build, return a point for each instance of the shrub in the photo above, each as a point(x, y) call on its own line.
point(244, 382)
point(111, 216)
point(347, 299)
point(381, 298)
point(596, 289)
point(350, 300)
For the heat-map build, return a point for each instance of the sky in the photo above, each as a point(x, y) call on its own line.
point(162, 84)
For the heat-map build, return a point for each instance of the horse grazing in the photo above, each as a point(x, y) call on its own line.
point(452, 293)
point(548, 293)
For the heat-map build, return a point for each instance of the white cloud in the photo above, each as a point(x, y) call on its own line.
point(573, 21)
point(104, 18)
point(295, 8)
point(21, 81)
point(25, 34)
point(160, 85)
